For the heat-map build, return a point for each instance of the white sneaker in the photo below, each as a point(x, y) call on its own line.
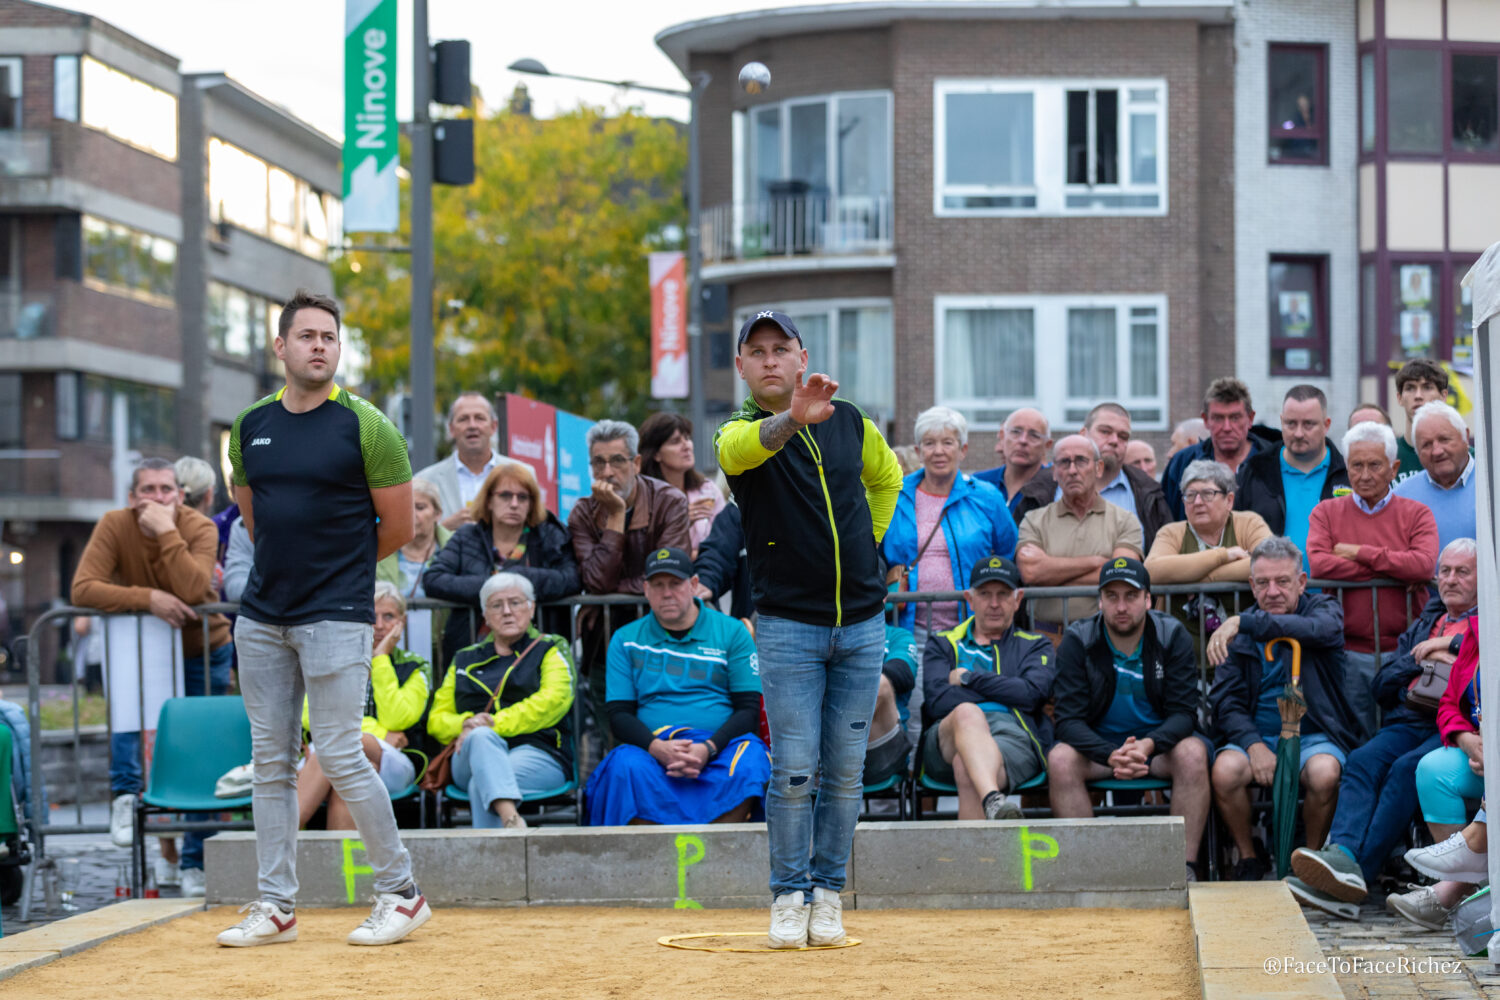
point(192, 883)
point(825, 926)
point(788, 921)
point(167, 874)
point(1421, 907)
point(1450, 859)
point(266, 923)
point(391, 918)
point(122, 820)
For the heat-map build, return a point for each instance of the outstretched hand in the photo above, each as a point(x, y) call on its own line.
point(812, 401)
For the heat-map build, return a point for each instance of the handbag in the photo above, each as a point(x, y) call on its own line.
point(1427, 688)
point(439, 773)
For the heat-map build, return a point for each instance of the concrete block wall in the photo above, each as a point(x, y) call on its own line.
point(1114, 862)
point(1296, 209)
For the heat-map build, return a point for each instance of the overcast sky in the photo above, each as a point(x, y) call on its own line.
point(291, 51)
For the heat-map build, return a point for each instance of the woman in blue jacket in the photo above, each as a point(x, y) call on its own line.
point(945, 522)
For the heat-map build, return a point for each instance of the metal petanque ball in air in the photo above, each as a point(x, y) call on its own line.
point(755, 77)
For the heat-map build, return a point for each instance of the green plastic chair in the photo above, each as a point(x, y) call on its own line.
point(197, 741)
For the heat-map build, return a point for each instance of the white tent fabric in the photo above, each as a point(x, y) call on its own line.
point(1484, 279)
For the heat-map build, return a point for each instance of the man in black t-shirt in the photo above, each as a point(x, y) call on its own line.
point(324, 487)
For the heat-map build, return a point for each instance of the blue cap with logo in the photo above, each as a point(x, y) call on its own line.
point(780, 320)
point(674, 561)
point(1125, 570)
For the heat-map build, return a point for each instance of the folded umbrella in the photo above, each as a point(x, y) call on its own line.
point(1288, 780)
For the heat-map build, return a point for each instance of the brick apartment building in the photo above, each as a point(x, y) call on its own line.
point(986, 205)
point(149, 222)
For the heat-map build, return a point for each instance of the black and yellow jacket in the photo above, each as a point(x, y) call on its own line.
point(536, 694)
point(1016, 671)
point(396, 700)
point(813, 513)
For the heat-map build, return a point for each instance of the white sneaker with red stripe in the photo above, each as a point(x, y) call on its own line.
point(392, 918)
point(266, 923)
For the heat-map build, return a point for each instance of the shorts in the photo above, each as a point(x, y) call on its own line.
point(1023, 761)
point(1312, 745)
point(396, 769)
point(886, 760)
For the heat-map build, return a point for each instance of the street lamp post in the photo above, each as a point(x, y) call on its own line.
point(697, 396)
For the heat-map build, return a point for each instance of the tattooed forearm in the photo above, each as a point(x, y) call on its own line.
point(778, 430)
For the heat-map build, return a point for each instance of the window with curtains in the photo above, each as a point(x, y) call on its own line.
point(1050, 147)
point(849, 341)
point(1094, 349)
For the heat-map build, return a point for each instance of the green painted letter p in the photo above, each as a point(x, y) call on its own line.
point(689, 852)
point(1034, 846)
point(350, 868)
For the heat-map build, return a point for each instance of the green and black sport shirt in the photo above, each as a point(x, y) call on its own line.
point(310, 476)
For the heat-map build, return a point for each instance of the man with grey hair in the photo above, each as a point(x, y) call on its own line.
point(1378, 792)
point(1372, 534)
point(472, 424)
point(1023, 444)
point(1446, 483)
point(1068, 541)
point(1108, 426)
point(1250, 674)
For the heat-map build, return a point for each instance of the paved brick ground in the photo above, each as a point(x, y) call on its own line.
point(1380, 936)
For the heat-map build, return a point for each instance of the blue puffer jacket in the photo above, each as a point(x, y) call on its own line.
point(976, 524)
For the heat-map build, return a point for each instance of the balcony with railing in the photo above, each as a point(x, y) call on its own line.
point(801, 232)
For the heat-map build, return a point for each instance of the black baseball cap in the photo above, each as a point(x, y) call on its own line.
point(997, 569)
point(1125, 570)
point(782, 321)
point(673, 561)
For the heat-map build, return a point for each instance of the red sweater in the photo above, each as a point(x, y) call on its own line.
point(1399, 542)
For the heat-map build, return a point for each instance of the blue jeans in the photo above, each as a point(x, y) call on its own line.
point(488, 769)
point(819, 684)
point(125, 748)
point(1378, 793)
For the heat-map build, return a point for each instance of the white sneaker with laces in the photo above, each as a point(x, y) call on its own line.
point(825, 926)
point(266, 923)
point(1450, 859)
point(122, 820)
point(392, 917)
point(192, 883)
point(1421, 907)
point(788, 921)
point(167, 874)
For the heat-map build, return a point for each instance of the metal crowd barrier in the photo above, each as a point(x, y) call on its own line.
point(588, 640)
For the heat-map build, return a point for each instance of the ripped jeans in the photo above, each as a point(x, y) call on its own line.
point(819, 685)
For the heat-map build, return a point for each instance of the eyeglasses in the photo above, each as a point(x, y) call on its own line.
point(1207, 496)
point(598, 462)
point(1069, 463)
point(506, 496)
point(507, 604)
point(1021, 432)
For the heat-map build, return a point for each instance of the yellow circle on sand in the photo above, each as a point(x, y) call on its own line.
point(687, 942)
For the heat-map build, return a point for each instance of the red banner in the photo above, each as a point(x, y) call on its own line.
point(530, 437)
point(669, 309)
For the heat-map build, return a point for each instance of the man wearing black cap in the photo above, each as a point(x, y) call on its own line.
point(816, 486)
point(986, 683)
point(683, 699)
point(1127, 704)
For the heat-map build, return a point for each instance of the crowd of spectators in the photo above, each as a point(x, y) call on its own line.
point(982, 689)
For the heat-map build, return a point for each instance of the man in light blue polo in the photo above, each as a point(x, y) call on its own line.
point(682, 691)
point(1446, 483)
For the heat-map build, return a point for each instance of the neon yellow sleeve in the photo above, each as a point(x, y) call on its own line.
point(445, 721)
point(397, 706)
point(550, 704)
point(882, 479)
point(739, 447)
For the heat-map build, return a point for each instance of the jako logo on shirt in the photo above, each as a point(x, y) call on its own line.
point(260, 441)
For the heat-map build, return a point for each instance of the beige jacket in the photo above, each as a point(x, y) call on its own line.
point(1167, 564)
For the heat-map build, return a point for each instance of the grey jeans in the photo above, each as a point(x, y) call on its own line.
point(330, 661)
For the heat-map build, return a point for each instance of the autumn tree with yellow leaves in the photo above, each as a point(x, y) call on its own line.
point(540, 265)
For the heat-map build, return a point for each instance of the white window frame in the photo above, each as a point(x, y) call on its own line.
point(17, 84)
point(743, 128)
point(831, 308)
point(1049, 117)
point(1049, 325)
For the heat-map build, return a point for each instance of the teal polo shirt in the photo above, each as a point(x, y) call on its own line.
point(1302, 491)
point(1130, 713)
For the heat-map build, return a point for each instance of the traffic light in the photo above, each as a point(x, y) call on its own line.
point(452, 138)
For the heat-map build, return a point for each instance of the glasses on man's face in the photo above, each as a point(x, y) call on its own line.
point(506, 496)
point(508, 604)
point(1071, 463)
point(1023, 434)
point(617, 462)
point(1207, 496)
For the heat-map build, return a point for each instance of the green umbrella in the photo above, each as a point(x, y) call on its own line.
point(1287, 782)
